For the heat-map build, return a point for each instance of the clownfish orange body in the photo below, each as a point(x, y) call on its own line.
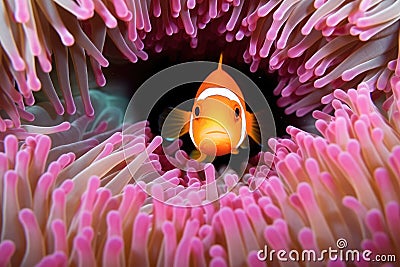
point(218, 122)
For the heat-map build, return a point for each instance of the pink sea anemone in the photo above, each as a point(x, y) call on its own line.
point(84, 211)
point(51, 31)
point(73, 192)
point(78, 132)
point(352, 169)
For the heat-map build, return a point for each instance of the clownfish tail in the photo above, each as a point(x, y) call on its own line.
point(220, 62)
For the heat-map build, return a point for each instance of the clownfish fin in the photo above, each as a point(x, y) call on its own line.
point(199, 157)
point(252, 127)
point(195, 154)
point(175, 124)
point(245, 144)
point(235, 151)
point(220, 62)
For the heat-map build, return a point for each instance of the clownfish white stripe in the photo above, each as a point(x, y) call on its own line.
point(212, 91)
point(191, 130)
point(218, 91)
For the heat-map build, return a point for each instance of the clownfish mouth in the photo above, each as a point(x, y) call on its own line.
point(217, 132)
point(218, 136)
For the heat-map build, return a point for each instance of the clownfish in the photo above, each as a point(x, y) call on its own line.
point(218, 122)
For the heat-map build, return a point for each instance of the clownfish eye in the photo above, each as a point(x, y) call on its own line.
point(197, 111)
point(237, 112)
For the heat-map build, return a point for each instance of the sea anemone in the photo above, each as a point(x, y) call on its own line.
point(75, 190)
point(78, 133)
point(88, 211)
point(52, 31)
point(345, 183)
